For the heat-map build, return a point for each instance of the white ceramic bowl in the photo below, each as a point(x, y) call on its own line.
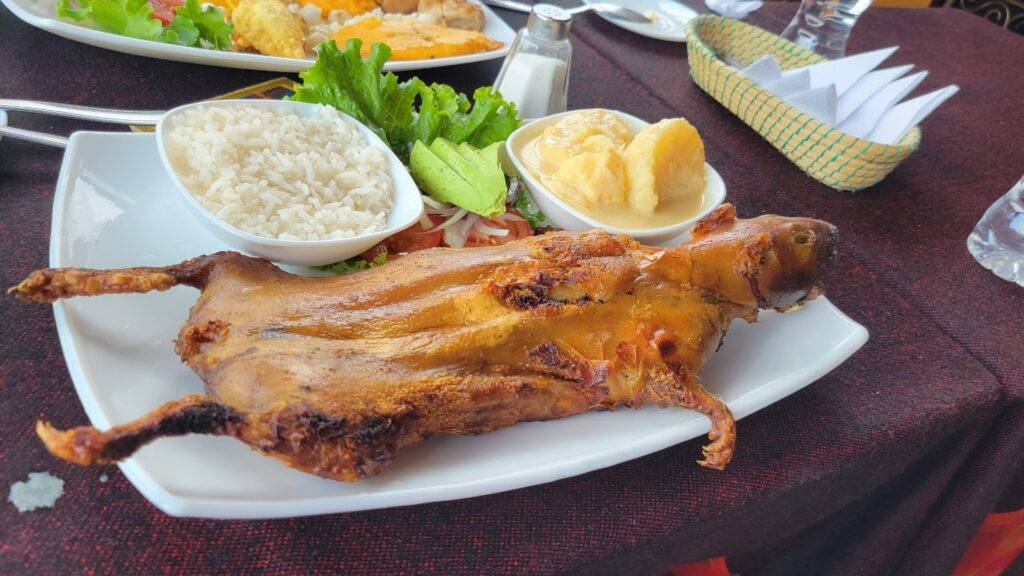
point(565, 216)
point(406, 209)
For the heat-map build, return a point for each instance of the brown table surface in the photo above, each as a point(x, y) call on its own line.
point(886, 465)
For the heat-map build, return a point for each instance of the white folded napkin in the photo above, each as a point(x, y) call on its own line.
point(818, 102)
point(844, 72)
point(733, 8)
point(850, 95)
point(904, 116)
point(790, 85)
point(763, 70)
point(868, 84)
point(869, 114)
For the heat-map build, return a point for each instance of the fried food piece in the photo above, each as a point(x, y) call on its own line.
point(463, 15)
point(412, 40)
point(454, 13)
point(334, 375)
point(665, 161)
point(352, 7)
point(269, 27)
point(399, 6)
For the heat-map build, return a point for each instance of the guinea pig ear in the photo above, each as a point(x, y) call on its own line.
point(756, 255)
point(721, 218)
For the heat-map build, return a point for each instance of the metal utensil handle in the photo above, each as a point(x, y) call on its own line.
point(142, 117)
point(511, 5)
point(612, 11)
point(37, 137)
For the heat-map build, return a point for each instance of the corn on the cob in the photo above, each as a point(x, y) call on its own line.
point(268, 26)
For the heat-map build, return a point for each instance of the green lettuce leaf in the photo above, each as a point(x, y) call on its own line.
point(402, 112)
point(78, 12)
point(529, 209)
point(181, 31)
point(210, 23)
point(490, 119)
point(355, 264)
point(125, 17)
point(192, 26)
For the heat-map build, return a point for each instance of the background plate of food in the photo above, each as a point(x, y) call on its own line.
point(276, 35)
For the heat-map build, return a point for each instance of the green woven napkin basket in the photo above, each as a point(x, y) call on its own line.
point(825, 154)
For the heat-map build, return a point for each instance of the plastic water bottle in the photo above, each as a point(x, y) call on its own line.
point(998, 240)
point(824, 25)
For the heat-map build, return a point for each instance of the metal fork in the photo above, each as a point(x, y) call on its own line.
point(610, 10)
point(90, 113)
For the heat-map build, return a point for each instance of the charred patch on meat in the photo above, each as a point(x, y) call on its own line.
point(329, 446)
point(193, 336)
point(526, 294)
point(551, 359)
point(190, 415)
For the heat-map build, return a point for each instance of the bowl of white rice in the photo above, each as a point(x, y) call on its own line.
point(294, 183)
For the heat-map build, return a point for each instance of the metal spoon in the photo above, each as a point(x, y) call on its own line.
point(602, 8)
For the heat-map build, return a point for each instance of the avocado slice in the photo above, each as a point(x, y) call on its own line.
point(468, 151)
point(489, 163)
point(443, 182)
point(491, 157)
point(465, 167)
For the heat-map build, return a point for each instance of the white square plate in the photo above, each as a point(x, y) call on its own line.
point(115, 207)
point(42, 14)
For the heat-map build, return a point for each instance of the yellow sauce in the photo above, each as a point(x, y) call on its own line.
point(591, 160)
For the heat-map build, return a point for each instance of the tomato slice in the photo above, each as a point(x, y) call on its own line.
point(411, 239)
point(516, 229)
point(163, 10)
point(416, 238)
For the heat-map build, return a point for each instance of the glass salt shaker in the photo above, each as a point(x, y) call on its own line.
point(997, 242)
point(535, 75)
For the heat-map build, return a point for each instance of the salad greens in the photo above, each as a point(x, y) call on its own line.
point(529, 209)
point(450, 141)
point(193, 25)
point(207, 23)
point(402, 113)
point(355, 264)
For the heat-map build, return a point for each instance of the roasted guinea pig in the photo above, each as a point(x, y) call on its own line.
point(333, 375)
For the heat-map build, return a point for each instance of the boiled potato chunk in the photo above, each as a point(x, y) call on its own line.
point(594, 178)
point(665, 162)
point(582, 157)
point(572, 133)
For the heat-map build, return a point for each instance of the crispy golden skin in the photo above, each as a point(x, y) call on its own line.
point(334, 375)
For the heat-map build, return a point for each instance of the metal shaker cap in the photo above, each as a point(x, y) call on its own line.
point(549, 22)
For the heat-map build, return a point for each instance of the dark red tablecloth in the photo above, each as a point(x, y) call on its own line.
point(886, 465)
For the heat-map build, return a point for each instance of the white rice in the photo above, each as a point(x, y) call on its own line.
point(278, 175)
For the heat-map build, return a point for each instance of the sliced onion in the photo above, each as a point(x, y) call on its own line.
point(490, 230)
point(451, 220)
point(425, 221)
point(454, 237)
point(434, 203)
point(510, 217)
point(468, 223)
point(446, 212)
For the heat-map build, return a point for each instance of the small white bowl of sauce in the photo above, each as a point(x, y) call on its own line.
point(662, 225)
